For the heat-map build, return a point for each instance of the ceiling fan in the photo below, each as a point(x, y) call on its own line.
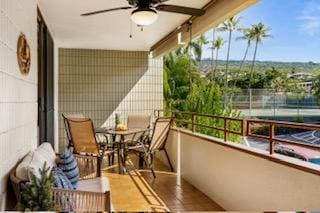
point(145, 11)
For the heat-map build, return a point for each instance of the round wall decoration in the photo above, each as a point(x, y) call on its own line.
point(23, 54)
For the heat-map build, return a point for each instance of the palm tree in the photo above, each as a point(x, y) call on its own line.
point(201, 41)
point(259, 32)
point(231, 25)
point(212, 47)
point(194, 48)
point(217, 45)
point(247, 36)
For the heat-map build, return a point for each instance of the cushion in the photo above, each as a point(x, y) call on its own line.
point(61, 180)
point(35, 161)
point(100, 185)
point(69, 166)
point(46, 151)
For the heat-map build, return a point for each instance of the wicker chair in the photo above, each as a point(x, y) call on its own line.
point(84, 142)
point(158, 142)
point(75, 200)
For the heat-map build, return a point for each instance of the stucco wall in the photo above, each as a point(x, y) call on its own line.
point(99, 83)
point(18, 93)
point(239, 181)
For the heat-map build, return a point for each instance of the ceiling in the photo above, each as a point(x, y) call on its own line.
point(109, 30)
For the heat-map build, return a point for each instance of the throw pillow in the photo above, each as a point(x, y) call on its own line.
point(69, 166)
point(61, 180)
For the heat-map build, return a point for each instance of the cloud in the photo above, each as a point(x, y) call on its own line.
point(310, 19)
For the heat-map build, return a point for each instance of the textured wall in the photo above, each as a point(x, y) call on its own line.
point(99, 83)
point(18, 93)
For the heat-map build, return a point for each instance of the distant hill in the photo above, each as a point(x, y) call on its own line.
point(289, 67)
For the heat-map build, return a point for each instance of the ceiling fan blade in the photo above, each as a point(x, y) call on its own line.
point(158, 1)
point(105, 11)
point(180, 9)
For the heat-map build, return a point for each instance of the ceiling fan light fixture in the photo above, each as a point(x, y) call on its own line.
point(144, 16)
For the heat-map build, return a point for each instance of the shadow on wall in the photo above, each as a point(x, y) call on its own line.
point(99, 83)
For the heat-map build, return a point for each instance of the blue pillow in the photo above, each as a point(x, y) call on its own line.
point(69, 166)
point(61, 180)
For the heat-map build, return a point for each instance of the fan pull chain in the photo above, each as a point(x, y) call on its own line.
point(130, 36)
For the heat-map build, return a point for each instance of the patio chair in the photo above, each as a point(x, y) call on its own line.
point(158, 142)
point(137, 121)
point(84, 142)
point(65, 122)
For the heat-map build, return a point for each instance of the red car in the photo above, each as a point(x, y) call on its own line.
point(301, 153)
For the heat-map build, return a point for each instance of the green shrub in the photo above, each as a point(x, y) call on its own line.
point(38, 195)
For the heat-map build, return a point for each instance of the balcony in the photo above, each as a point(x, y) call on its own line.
point(78, 65)
point(239, 177)
point(214, 174)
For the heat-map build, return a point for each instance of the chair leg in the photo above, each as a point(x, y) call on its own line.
point(170, 164)
point(113, 147)
point(99, 166)
point(151, 166)
point(153, 174)
point(109, 160)
point(141, 160)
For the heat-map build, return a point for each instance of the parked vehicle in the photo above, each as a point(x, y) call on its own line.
point(301, 153)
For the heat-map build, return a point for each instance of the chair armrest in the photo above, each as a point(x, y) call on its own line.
point(16, 183)
point(144, 137)
point(81, 201)
point(88, 166)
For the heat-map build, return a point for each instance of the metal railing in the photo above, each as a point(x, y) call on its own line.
point(246, 127)
point(226, 129)
point(272, 139)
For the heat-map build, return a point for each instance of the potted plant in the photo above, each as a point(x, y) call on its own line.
point(117, 120)
point(37, 195)
point(119, 126)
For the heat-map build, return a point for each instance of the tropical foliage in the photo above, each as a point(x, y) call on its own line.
point(204, 86)
point(38, 195)
point(316, 87)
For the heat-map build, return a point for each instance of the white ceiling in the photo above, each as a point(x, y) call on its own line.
point(109, 30)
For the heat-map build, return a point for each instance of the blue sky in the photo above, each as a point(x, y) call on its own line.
point(295, 28)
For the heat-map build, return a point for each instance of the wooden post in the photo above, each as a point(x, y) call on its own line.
point(271, 140)
point(225, 130)
point(243, 127)
point(173, 115)
point(193, 122)
point(248, 130)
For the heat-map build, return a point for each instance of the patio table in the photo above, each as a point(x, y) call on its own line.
point(121, 151)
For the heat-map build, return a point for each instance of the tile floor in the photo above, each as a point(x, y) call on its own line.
point(139, 191)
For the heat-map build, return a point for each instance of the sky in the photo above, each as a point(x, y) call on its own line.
point(295, 30)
